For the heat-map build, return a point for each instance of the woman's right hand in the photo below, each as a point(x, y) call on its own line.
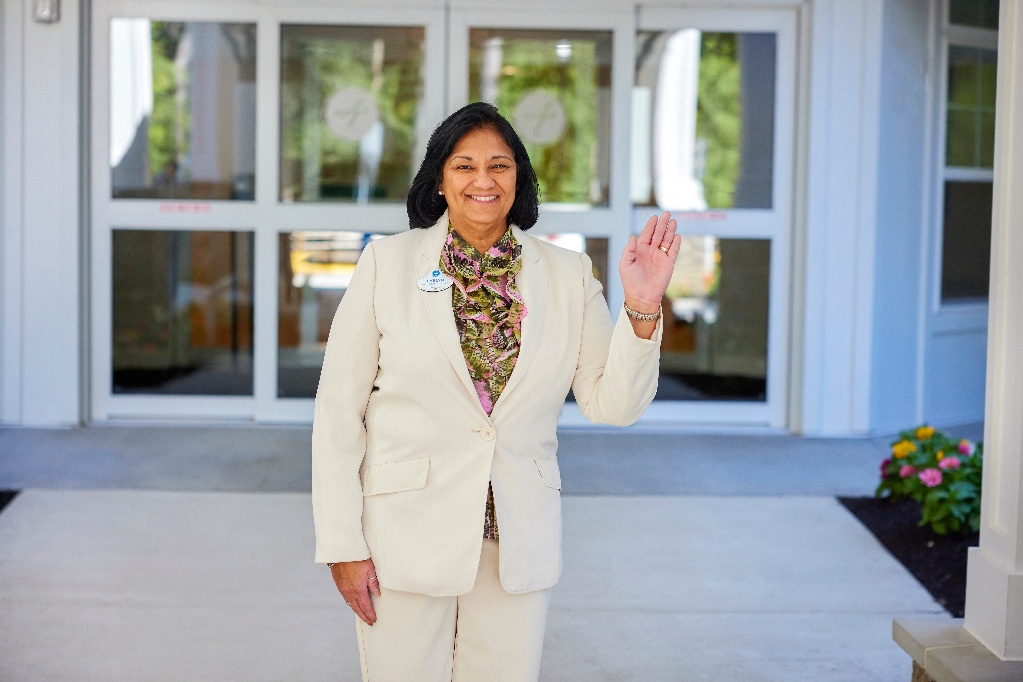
point(355, 581)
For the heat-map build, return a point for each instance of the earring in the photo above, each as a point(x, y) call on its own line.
point(440, 192)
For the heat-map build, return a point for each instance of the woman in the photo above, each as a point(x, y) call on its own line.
point(436, 492)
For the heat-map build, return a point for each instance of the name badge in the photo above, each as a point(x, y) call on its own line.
point(435, 281)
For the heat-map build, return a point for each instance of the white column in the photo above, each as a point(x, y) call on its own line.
point(994, 587)
point(841, 216)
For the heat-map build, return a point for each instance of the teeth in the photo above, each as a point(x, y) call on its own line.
point(487, 198)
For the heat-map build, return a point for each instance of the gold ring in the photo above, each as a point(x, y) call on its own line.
point(662, 248)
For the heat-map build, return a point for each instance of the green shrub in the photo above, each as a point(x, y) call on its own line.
point(941, 473)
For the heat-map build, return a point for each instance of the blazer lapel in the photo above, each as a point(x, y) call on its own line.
point(532, 284)
point(438, 303)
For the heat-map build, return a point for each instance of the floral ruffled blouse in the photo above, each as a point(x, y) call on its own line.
point(488, 313)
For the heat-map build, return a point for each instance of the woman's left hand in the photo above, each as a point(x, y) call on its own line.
point(648, 262)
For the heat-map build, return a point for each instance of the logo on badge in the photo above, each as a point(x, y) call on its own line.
point(435, 281)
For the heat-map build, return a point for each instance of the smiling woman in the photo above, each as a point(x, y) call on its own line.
point(438, 402)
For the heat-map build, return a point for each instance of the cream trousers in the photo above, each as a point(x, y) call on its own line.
point(486, 635)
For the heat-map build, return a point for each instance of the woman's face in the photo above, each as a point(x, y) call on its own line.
point(479, 182)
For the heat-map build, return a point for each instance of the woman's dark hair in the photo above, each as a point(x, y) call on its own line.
point(425, 206)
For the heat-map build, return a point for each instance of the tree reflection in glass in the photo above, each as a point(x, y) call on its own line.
point(182, 110)
point(703, 120)
point(350, 98)
point(555, 87)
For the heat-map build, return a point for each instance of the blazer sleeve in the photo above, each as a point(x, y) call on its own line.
point(339, 432)
point(616, 376)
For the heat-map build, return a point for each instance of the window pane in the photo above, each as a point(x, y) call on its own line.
point(715, 321)
point(182, 109)
point(971, 107)
point(703, 120)
point(182, 312)
point(555, 88)
point(594, 247)
point(979, 13)
point(966, 243)
point(350, 99)
point(961, 138)
point(314, 271)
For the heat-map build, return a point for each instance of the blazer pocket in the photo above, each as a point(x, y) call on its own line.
point(395, 477)
point(549, 472)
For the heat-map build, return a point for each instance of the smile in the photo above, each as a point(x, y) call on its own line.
point(486, 199)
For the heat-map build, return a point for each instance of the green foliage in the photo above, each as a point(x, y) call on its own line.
point(313, 67)
point(169, 122)
point(719, 116)
point(565, 168)
point(941, 473)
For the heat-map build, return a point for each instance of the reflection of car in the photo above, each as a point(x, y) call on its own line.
point(325, 260)
point(688, 307)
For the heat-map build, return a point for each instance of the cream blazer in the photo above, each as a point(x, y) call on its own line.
point(402, 449)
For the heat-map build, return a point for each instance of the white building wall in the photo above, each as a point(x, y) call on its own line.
point(41, 309)
point(901, 184)
point(841, 216)
point(856, 292)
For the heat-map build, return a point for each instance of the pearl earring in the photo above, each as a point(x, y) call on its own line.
point(440, 192)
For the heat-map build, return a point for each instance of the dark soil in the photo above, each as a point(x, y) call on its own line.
point(5, 497)
point(937, 561)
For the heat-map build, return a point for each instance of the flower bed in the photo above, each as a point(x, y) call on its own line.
point(942, 474)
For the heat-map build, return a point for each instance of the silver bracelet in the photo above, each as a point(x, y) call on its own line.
point(642, 317)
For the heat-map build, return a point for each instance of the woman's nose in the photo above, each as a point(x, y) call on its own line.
point(484, 179)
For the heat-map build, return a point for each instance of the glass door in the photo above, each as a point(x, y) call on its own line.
point(243, 155)
point(712, 140)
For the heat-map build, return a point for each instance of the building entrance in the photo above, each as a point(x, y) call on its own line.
point(244, 154)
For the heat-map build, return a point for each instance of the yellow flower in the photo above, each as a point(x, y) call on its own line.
point(903, 448)
point(940, 456)
point(924, 432)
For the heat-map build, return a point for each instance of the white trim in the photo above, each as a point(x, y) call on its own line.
point(181, 407)
point(797, 256)
point(964, 174)
point(11, 222)
point(841, 215)
point(930, 158)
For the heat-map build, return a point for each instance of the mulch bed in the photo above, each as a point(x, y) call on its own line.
point(6, 496)
point(937, 561)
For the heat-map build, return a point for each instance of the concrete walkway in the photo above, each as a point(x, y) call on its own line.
point(198, 573)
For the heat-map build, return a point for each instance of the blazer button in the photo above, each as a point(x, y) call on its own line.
point(487, 433)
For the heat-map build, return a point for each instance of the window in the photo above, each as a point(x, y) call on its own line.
point(703, 120)
point(182, 110)
point(967, 171)
point(350, 98)
point(555, 87)
point(182, 312)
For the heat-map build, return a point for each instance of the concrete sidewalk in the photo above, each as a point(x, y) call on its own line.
point(748, 569)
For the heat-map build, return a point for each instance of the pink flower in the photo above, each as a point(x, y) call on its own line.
point(966, 447)
point(884, 466)
point(930, 477)
point(906, 471)
point(949, 463)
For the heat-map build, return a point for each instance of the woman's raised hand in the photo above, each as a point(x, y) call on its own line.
point(355, 581)
point(648, 262)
